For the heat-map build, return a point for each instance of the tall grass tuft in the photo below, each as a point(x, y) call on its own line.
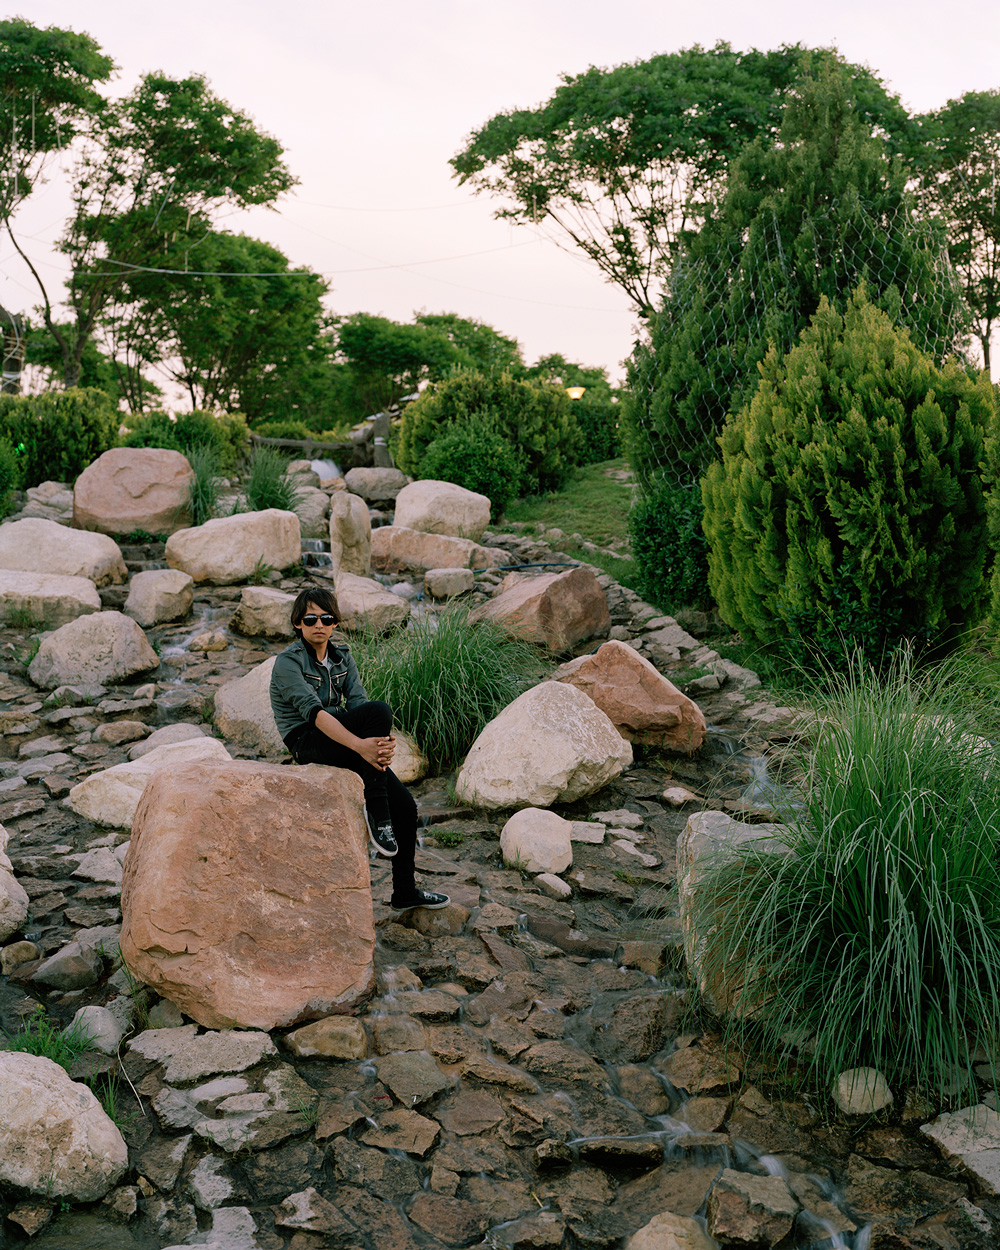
point(878, 936)
point(40, 1037)
point(203, 489)
point(445, 679)
point(267, 482)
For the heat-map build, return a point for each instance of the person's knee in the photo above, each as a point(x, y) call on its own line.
point(380, 715)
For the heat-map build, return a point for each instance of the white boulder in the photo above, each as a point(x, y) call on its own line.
point(408, 763)
point(37, 546)
point(366, 604)
point(111, 796)
point(158, 595)
point(13, 899)
point(397, 549)
point(537, 840)
point(263, 612)
point(93, 650)
point(243, 712)
point(375, 485)
point(228, 549)
point(862, 1091)
point(350, 534)
point(130, 488)
point(55, 1138)
point(312, 507)
point(180, 731)
point(443, 508)
point(447, 583)
point(49, 597)
point(551, 745)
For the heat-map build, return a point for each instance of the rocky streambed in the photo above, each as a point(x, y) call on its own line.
point(533, 1071)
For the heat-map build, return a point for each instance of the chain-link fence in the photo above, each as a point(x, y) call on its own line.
point(731, 298)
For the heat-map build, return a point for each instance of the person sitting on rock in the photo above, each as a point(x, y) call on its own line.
point(325, 716)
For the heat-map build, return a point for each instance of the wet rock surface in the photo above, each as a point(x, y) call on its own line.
point(526, 1073)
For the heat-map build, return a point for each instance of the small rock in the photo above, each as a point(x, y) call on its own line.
point(671, 1232)
point(100, 1027)
point(591, 831)
point(337, 1037)
point(553, 886)
point(750, 1210)
point(120, 731)
point(537, 841)
point(861, 1091)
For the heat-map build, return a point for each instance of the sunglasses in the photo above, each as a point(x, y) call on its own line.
point(326, 619)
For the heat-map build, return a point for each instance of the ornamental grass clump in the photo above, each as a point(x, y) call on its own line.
point(267, 482)
point(872, 933)
point(445, 679)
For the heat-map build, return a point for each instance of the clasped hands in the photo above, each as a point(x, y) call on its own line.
point(378, 751)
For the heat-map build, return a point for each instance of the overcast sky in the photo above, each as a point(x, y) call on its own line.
point(371, 101)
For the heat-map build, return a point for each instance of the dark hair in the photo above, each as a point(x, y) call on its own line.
point(324, 599)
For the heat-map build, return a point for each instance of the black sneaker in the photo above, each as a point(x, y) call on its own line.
point(420, 898)
point(382, 837)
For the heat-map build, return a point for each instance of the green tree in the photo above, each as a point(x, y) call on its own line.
point(848, 510)
point(389, 359)
point(479, 345)
point(959, 164)
point(240, 330)
point(47, 78)
point(152, 171)
point(812, 216)
point(623, 162)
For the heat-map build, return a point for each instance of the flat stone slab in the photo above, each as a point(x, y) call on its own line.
point(189, 1058)
point(970, 1137)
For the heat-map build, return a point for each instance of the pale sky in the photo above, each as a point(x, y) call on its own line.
point(371, 101)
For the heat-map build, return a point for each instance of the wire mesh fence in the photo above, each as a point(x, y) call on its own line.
point(730, 299)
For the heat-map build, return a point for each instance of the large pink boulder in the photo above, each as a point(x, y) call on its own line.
point(246, 896)
point(639, 701)
point(134, 488)
point(557, 610)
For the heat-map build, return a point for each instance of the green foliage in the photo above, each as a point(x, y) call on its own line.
point(669, 547)
point(287, 427)
point(57, 434)
point(872, 930)
point(47, 78)
point(23, 619)
point(40, 1037)
point(848, 508)
point(596, 410)
point(445, 679)
point(261, 573)
point(478, 345)
point(957, 161)
point(448, 836)
point(475, 455)
point(813, 217)
point(537, 420)
point(224, 434)
point(203, 489)
point(10, 475)
point(623, 161)
point(388, 359)
point(267, 483)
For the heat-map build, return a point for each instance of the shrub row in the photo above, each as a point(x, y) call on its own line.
point(56, 435)
point(225, 434)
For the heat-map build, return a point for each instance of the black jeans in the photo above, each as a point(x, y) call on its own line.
point(370, 720)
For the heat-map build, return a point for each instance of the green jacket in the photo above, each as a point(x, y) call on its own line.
point(301, 687)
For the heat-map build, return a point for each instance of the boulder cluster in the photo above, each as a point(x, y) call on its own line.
point(296, 1065)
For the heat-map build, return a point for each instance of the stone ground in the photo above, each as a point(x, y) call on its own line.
point(538, 1078)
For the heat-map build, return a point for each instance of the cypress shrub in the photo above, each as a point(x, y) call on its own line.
point(57, 434)
point(669, 547)
point(849, 506)
point(535, 418)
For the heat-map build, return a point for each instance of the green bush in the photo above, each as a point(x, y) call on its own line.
point(597, 421)
point(267, 482)
point(289, 427)
point(848, 509)
point(225, 433)
point(477, 457)
point(445, 679)
point(536, 418)
point(871, 931)
point(56, 435)
point(669, 547)
point(10, 475)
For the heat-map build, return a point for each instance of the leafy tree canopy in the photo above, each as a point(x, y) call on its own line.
point(623, 161)
point(478, 344)
point(959, 166)
point(389, 359)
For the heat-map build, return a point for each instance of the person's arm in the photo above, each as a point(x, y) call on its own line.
point(377, 751)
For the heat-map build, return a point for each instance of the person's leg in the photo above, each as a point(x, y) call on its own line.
point(403, 812)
